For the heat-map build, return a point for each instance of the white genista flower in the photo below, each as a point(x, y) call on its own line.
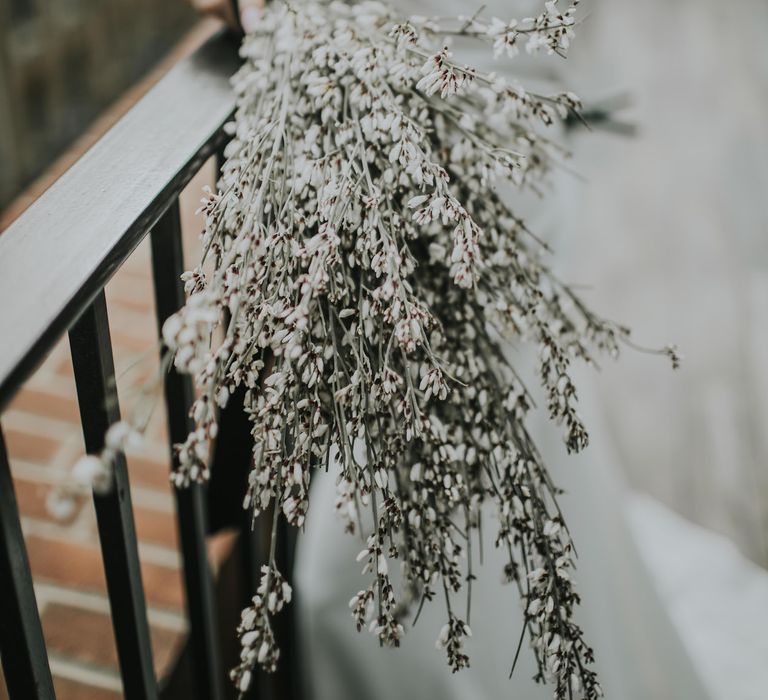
point(122, 435)
point(60, 504)
point(91, 471)
point(504, 37)
point(361, 284)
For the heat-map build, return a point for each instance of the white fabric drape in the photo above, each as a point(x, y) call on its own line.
point(639, 653)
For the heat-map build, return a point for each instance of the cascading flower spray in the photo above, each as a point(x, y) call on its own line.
point(363, 280)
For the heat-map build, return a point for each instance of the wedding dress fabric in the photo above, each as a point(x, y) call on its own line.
point(639, 655)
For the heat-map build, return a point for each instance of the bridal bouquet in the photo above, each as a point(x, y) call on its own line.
point(363, 279)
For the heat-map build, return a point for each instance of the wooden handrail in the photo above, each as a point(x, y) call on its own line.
point(58, 255)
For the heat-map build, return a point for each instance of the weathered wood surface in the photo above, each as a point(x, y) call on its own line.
point(58, 255)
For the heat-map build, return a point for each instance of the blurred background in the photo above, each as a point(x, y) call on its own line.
point(670, 231)
point(666, 231)
point(64, 61)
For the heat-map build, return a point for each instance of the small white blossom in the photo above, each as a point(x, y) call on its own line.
point(92, 472)
point(361, 284)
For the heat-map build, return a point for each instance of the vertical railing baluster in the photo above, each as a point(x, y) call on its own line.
point(230, 465)
point(167, 266)
point(287, 682)
point(22, 647)
point(97, 396)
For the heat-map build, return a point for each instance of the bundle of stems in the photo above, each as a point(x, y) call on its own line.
point(364, 280)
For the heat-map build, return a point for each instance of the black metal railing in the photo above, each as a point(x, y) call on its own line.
point(54, 263)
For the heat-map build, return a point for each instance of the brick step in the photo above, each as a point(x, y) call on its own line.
point(68, 689)
point(30, 446)
point(45, 403)
point(80, 640)
point(86, 637)
point(79, 565)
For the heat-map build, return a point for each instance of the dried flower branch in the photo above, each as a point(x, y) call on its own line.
point(356, 242)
